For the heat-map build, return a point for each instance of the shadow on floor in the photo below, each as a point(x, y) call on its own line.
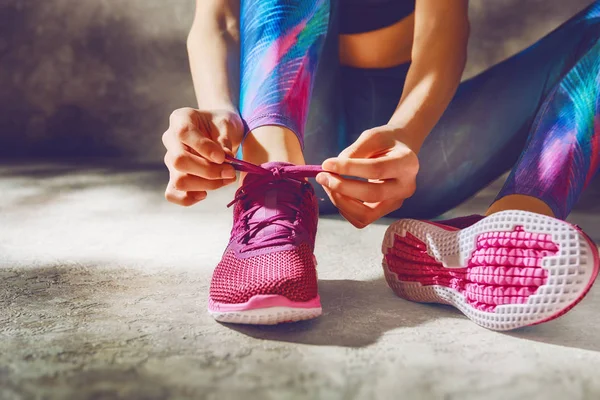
point(353, 317)
point(355, 314)
point(89, 312)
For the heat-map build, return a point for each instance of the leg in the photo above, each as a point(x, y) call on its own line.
point(281, 42)
point(486, 127)
point(563, 151)
point(514, 268)
point(268, 271)
point(324, 131)
point(324, 135)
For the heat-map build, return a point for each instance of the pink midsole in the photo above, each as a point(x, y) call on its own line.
point(263, 301)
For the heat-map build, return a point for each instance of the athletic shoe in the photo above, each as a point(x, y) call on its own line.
point(505, 271)
point(268, 271)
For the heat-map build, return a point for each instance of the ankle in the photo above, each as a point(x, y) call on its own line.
point(520, 202)
point(272, 143)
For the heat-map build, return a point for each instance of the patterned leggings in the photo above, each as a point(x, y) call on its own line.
point(536, 112)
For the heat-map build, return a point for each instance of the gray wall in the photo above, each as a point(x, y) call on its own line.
point(100, 77)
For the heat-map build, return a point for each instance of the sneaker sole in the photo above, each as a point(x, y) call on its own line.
point(265, 310)
point(509, 270)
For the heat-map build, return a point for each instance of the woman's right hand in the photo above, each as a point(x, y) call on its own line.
point(196, 143)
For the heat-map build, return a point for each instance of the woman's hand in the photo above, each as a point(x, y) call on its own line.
point(196, 143)
point(390, 165)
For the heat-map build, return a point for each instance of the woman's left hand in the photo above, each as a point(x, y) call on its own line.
point(386, 161)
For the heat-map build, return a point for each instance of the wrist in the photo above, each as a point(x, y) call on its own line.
point(220, 105)
point(411, 138)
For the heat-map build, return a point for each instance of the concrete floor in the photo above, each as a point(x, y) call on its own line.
point(103, 290)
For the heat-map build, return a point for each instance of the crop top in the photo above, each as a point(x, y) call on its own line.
point(358, 16)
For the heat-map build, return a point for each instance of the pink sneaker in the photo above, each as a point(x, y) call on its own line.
point(268, 271)
point(505, 271)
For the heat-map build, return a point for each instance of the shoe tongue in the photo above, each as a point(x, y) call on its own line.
point(269, 166)
point(274, 196)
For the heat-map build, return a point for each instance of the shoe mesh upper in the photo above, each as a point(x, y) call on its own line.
point(289, 273)
point(284, 266)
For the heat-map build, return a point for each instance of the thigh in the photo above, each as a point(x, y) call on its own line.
point(486, 126)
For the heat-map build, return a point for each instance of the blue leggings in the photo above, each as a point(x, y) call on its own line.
point(535, 112)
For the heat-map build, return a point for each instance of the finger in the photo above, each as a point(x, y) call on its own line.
point(191, 183)
point(383, 208)
point(365, 191)
point(375, 168)
point(353, 210)
point(343, 214)
point(353, 221)
point(226, 130)
point(180, 120)
point(188, 128)
point(185, 199)
point(362, 214)
point(204, 146)
point(188, 163)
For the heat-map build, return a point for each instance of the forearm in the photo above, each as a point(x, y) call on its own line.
point(213, 49)
point(439, 57)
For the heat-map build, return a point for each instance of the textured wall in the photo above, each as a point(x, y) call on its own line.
point(100, 77)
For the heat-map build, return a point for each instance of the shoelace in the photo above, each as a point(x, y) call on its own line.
point(250, 229)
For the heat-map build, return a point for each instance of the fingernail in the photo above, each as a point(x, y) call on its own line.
point(228, 173)
point(329, 165)
point(322, 179)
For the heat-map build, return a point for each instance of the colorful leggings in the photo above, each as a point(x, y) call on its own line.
point(536, 112)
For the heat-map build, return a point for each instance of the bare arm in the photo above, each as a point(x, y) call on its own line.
point(198, 139)
point(386, 155)
point(214, 53)
point(439, 55)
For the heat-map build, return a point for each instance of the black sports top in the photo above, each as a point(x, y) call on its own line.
point(357, 16)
